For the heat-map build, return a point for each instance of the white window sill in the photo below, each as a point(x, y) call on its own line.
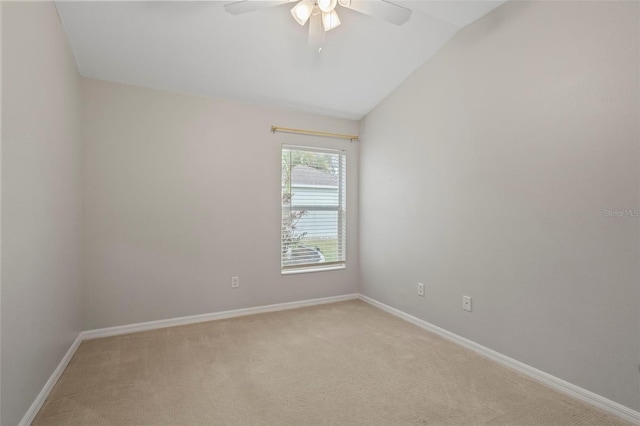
point(312, 269)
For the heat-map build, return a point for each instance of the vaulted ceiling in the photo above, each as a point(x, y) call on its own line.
point(262, 56)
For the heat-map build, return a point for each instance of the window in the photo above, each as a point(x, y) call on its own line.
point(313, 209)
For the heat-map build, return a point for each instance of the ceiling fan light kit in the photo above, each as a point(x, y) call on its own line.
point(327, 6)
point(302, 11)
point(330, 20)
point(322, 16)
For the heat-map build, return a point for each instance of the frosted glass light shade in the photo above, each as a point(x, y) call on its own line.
point(302, 11)
point(330, 20)
point(327, 6)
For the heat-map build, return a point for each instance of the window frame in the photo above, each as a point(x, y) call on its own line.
point(340, 209)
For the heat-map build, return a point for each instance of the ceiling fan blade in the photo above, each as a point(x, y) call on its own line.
point(382, 9)
point(316, 33)
point(244, 6)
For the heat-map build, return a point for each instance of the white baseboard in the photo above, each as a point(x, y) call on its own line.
point(172, 322)
point(132, 328)
point(549, 380)
point(552, 381)
point(44, 393)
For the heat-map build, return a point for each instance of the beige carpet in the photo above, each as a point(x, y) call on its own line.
point(341, 364)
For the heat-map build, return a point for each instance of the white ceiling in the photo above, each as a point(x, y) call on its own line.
point(262, 56)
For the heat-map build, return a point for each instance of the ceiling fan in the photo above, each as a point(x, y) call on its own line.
point(322, 15)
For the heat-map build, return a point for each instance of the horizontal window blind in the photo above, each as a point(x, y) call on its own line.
point(313, 207)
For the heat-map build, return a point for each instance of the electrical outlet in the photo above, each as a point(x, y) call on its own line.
point(235, 282)
point(466, 303)
point(420, 289)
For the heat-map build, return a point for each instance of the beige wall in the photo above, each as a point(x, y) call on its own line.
point(180, 194)
point(40, 202)
point(487, 173)
point(0, 212)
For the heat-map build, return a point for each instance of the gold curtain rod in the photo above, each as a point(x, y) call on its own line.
point(313, 133)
